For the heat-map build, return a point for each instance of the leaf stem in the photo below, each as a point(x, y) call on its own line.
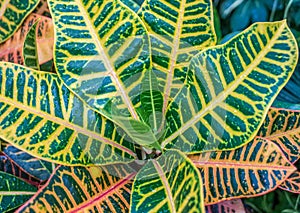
point(273, 10)
point(287, 9)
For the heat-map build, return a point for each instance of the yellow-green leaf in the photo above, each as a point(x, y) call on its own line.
point(30, 53)
point(230, 88)
point(78, 189)
point(12, 15)
point(39, 115)
point(170, 183)
point(101, 51)
point(13, 192)
point(178, 30)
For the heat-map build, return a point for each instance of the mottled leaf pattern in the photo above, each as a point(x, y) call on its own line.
point(131, 4)
point(229, 89)
point(79, 189)
point(12, 14)
point(35, 167)
point(282, 126)
point(292, 183)
point(170, 183)
point(178, 30)
point(30, 53)
point(11, 50)
point(251, 170)
point(230, 206)
point(39, 115)
point(42, 9)
point(101, 51)
point(13, 192)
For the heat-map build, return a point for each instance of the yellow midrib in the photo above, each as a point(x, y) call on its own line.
point(221, 97)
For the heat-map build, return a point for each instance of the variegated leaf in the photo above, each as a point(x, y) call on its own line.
point(230, 206)
point(35, 167)
point(13, 192)
point(9, 166)
point(292, 184)
point(230, 88)
point(11, 50)
point(252, 170)
point(178, 30)
point(12, 15)
point(282, 126)
point(30, 53)
point(39, 115)
point(101, 51)
point(78, 189)
point(170, 183)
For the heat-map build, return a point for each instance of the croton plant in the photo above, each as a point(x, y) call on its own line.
point(108, 106)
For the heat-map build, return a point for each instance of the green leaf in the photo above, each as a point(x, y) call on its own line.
point(230, 88)
point(30, 53)
point(282, 126)
point(252, 170)
point(13, 192)
point(178, 30)
point(12, 15)
point(78, 189)
point(169, 183)
point(101, 51)
point(152, 101)
point(35, 167)
point(39, 115)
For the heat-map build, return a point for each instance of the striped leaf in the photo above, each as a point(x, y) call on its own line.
point(39, 115)
point(292, 184)
point(30, 53)
point(282, 126)
point(252, 170)
point(170, 183)
point(9, 166)
point(101, 51)
point(231, 206)
point(12, 14)
point(230, 88)
point(13, 192)
point(178, 30)
point(11, 50)
point(35, 167)
point(78, 189)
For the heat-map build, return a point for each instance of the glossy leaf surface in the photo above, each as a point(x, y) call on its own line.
point(251, 170)
point(170, 183)
point(230, 88)
point(35, 167)
point(30, 53)
point(178, 30)
point(79, 189)
point(41, 116)
point(12, 14)
point(13, 192)
point(9, 166)
point(101, 51)
point(292, 184)
point(282, 126)
point(11, 50)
